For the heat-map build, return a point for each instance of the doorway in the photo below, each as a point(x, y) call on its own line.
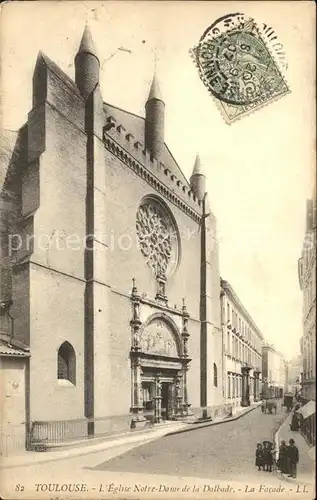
point(167, 409)
point(148, 396)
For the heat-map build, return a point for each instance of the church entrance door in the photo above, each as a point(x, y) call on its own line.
point(159, 365)
point(167, 410)
point(158, 394)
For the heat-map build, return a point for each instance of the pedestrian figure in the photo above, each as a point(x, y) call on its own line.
point(259, 456)
point(293, 458)
point(294, 426)
point(271, 455)
point(282, 458)
point(268, 456)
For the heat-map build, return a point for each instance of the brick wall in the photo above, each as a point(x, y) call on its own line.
point(49, 281)
point(125, 191)
point(48, 291)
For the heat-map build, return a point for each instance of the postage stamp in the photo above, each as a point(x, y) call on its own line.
point(238, 65)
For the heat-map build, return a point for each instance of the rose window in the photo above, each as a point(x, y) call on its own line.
point(157, 237)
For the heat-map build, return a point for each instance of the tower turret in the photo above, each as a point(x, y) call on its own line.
point(87, 65)
point(198, 180)
point(154, 120)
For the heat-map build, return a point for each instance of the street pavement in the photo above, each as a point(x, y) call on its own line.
point(213, 462)
point(226, 451)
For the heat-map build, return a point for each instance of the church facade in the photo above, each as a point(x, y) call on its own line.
point(109, 262)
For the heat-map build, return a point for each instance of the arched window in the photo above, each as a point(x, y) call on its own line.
point(66, 363)
point(215, 375)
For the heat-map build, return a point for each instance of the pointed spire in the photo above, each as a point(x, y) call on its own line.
point(198, 179)
point(87, 65)
point(154, 120)
point(155, 92)
point(87, 44)
point(197, 170)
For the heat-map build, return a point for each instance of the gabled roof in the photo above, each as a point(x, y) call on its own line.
point(42, 59)
point(134, 124)
point(9, 350)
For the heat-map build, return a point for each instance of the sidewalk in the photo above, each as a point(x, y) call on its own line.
point(101, 444)
point(217, 421)
point(306, 465)
point(88, 446)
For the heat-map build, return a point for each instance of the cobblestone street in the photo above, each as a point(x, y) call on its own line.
point(225, 451)
point(207, 462)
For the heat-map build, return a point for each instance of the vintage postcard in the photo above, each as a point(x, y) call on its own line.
point(158, 250)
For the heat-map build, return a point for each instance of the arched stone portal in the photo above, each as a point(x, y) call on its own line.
point(159, 365)
point(160, 337)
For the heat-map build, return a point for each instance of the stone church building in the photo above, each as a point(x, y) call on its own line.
point(109, 266)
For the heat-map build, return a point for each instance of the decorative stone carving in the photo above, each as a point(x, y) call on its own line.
point(160, 290)
point(158, 388)
point(185, 334)
point(157, 237)
point(177, 387)
point(135, 321)
point(157, 338)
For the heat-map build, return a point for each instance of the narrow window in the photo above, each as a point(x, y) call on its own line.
point(66, 363)
point(215, 375)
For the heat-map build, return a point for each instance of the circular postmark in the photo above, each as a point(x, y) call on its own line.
point(235, 63)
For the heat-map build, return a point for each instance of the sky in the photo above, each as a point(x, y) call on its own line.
point(259, 170)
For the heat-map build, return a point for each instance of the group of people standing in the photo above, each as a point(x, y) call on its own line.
point(264, 456)
point(288, 457)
